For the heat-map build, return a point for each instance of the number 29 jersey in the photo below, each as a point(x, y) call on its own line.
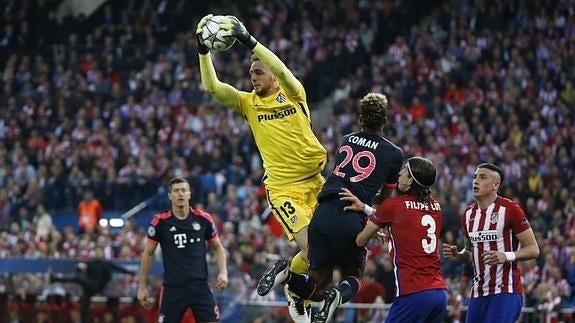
point(363, 163)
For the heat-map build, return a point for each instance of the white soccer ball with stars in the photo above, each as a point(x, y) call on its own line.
point(212, 35)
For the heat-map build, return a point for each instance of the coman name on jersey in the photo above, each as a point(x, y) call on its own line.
point(363, 142)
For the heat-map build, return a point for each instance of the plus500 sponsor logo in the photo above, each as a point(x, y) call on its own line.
point(483, 236)
point(277, 115)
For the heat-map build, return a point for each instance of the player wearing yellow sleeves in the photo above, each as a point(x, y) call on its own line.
point(279, 117)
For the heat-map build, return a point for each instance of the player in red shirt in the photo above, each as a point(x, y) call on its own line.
point(494, 228)
point(414, 222)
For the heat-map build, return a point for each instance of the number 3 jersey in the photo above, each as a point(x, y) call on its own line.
point(183, 244)
point(363, 163)
point(414, 233)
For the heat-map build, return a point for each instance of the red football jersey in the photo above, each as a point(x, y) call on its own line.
point(494, 229)
point(414, 242)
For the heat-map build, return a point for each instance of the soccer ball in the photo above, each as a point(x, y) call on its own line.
point(212, 35)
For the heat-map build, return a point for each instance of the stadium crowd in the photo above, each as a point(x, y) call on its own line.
point(112, 103)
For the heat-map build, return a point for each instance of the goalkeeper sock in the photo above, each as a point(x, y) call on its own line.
point(301, 285)
point(298, 264)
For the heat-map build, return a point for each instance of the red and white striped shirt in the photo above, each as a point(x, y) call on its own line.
point(495, 228)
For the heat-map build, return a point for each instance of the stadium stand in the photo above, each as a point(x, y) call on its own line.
point(112, 103)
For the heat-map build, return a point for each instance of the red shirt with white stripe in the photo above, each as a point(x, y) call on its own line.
point(414, 239)
point(495, 228)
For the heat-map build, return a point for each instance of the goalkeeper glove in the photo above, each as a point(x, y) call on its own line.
point(236, 29)
point(202, 48)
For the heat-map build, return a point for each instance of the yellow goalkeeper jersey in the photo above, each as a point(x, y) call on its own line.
point(280, 123)
point(281, 126)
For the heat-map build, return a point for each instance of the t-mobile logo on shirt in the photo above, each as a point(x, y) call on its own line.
point(180, 240)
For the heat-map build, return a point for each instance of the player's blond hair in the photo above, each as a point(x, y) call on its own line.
point(373, 110)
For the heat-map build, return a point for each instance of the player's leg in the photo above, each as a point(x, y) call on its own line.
point(402, 310)
point(173, 304)
point(345, 291)
point(350, 258)
point(308, 192)
point(277, 275)
point(438, 301)
point(305, 286)
point(300, 262)
point(280, 272)
point(503, 308)
point(476, 310)
point(429, 306)
point(339, 229)
point(293, 205)
point(203, 305)
point(290, 207)
point(350, 282)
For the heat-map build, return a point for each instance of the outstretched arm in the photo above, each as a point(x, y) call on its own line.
point(285, 77)
point(222, 92)
point(287, 80)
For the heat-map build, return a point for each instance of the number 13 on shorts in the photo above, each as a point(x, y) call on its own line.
point(294, 204)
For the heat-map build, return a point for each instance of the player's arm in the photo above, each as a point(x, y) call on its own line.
point(220, 255)
point(395, 163)
point(451, 253)
point(366, 234)
point(522, 230)
point(285, 77)
point(529, 250)
point(145, 265)
point(287, 80)
point(222, 92)
point(358, 206)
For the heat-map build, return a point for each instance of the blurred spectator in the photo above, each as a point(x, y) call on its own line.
point(371, 291)
point(93, 276)
point(93, 92)
point(43, 223)
point(89, 213)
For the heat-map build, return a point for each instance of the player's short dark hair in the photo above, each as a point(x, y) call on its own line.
point(495, 168)
point(373, 111)
point(423, 173)
point(176, 180)
point(255, 58)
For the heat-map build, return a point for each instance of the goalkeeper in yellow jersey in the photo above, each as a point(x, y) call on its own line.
point(278, 115)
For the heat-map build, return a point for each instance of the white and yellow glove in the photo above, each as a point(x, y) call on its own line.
point(234, 28)
point(202, 48)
